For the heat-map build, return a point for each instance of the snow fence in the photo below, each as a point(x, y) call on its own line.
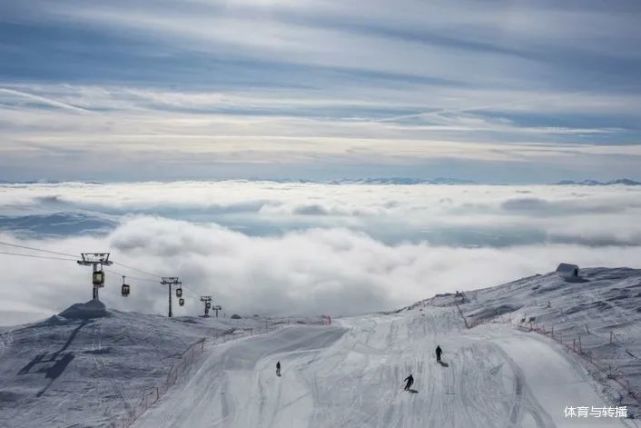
point(580, 345)
point(178, 370)
point(152, 395)
point(601, 373)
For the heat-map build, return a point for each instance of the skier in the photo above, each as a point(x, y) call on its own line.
point(439, 351)
point(278, 368)
point(409, 381)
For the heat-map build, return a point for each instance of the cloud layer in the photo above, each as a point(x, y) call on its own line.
point(264, 247)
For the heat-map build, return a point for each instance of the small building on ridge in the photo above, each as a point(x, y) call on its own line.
point(567, 270)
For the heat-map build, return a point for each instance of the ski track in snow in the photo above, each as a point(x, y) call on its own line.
point(351, 375)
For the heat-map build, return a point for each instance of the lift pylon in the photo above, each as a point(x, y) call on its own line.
point(207, 301)
point(217, 308)
point(96, 261)
point(170, 280)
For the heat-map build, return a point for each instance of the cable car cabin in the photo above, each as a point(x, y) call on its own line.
point(181, 301)
point(98, 278)
point(179, 292)
point(208, 305)
point(125, 290)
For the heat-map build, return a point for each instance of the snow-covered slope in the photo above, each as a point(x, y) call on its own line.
point(497, 373)
point(351, 374)
point(597, 314)
point(88, 369)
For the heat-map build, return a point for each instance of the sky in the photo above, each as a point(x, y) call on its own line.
point(496, 92)
point(300, 248)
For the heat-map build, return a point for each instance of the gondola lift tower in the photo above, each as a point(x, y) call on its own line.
point(96, 261)
point(173, 280)
point(207, 301)
point(217, 308)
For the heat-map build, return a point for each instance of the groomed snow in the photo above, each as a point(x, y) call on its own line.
point(88, 372)
point(85, 371)
point(351, 375)
point(597, 313)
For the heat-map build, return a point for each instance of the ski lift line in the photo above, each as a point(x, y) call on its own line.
point(110, 270)
point(155, 281)
point(125, 288)
point(59, 253)
point(35, 256)
point(150, 274)
point(135, 278)
point(138, 270)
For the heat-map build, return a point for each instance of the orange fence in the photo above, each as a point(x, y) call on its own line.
point(152, 395)
point(572, 344)
point(186, 360)
point(575, 345)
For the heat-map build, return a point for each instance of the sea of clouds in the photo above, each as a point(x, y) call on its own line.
point(301, 248)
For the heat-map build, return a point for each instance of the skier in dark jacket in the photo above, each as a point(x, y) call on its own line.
point(278, 368)
point(439, 351)
point(409, 381)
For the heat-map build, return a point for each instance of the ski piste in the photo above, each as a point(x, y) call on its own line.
point(348, 374)
point(491, 375)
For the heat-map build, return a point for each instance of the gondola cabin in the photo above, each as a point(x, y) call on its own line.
point(98, 278)
point(181, 301)
point(125, 289)
point(179, 292)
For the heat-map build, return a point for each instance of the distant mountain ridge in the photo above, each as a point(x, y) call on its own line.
point(407, 181)
point(403, 181)
point(591, 182)
point(367, 180)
